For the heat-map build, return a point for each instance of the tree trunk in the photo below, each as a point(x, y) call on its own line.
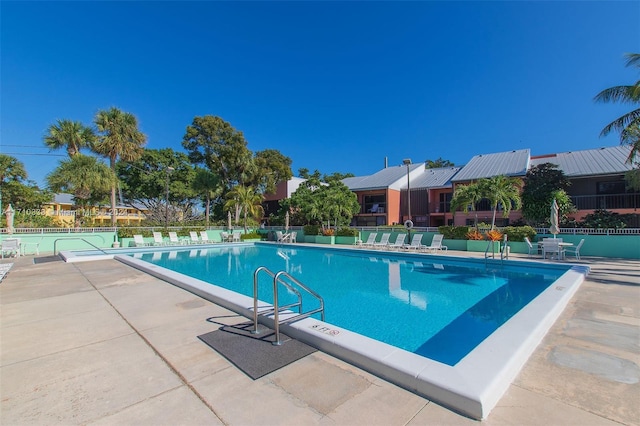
point(114, 210)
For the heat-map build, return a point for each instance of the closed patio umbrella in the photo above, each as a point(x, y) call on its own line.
point(554, 228)
point(229, 219)
point(286, 222)
point(9, 212)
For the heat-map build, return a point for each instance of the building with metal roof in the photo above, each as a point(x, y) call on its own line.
point(610, 160)
point(509, 163)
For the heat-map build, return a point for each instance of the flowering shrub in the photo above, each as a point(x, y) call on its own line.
point(494, 235)
point(475, 235)
point(328, 232)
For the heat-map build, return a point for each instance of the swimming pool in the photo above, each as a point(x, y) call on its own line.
point(441, 309)
point(471, 386)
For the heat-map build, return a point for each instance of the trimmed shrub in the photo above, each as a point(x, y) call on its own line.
point(311, 230)
point(347, 232)
point(517, 233)
point(454, 232)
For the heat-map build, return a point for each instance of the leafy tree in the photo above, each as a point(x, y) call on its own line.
point(436, 164)
point(336, 176)
point(271, 167)
point(542, 184)
point(213, 142)
point(119, 138)
point(15, 189)
point(316, 202)
point(467, 197)
point(247, 201)
point(629, 124)
point(208, 184)
point(501, 191)
point(87, 178)
point(72, 135)
point(144, 182)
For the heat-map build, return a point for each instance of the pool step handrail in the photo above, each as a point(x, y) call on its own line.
point(55, 244)
point(278, 278)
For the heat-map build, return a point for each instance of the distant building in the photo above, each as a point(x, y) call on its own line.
point(67, 213)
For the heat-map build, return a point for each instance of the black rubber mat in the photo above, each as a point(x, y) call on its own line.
point(255, 354)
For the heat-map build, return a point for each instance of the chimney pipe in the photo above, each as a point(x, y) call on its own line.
point(386, 162)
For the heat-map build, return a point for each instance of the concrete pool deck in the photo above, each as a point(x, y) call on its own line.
point(103, 343)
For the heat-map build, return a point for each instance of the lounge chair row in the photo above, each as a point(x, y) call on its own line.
point(158, 239)
point(399, 243)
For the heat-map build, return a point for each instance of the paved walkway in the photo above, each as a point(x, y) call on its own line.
point(102, 343)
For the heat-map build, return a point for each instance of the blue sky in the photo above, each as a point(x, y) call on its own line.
point(335, 86)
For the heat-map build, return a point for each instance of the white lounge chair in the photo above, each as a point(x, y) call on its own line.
point(194, 237)
point(416, 243)
point(173, 238)
point(575, 250)
point(371, 239)
point(398, 243)
point(204, 237)
point(436, 243)
point(384, 240)
point(138, 241)
point(158, 239)
point(279, 237)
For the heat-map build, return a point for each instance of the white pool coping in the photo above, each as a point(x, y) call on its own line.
point(472, 387)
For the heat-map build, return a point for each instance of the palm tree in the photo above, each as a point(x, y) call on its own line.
point(629, 123)
point(71, 135)
point(501, 190)
point(119, 138)
point(467, 197)
point(84, 176)
point(208, 184)
point(247, 200)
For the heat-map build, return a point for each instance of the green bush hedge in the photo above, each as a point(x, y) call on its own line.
point(517, 233)
point(454, 232)
point(311, 230)
point(347, 232)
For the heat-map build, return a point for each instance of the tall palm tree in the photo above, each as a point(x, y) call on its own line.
point(87, 178)
point(467, 197)
point(501, 190)
point(208, 184)
point(119, 138)
point(629, 123)
point(71, 135)
point(248, 200)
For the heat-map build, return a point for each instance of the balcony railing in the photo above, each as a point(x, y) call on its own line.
point(606, 202)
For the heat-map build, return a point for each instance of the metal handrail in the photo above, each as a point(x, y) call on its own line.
point(276, 308)
point(55, 243)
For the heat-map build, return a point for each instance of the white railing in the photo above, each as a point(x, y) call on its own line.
point(58, 230)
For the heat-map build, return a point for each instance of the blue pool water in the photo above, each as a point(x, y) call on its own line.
point(436, 307)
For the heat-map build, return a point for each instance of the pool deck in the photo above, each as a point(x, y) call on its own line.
point(103, 343)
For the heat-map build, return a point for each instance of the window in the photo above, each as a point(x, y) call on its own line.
point(375, 203)
point(611, 187)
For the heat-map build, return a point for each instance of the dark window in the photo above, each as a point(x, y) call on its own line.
point(375, 203)
point(611, 187)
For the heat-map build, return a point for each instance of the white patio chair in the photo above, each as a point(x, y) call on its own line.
point(225, 237)
point(158, 239)
point(235, 237)
point(398, 243)
point(138, 241)
point(552, 247)
point(575, 250)
point(204, 237)
point(532, 250)
point(194, 237)
point(293, 236)
point(10, 246)
point(371, 239)
point(436, 243)
point(173, 238)
point(416, 243)
point(384, 241)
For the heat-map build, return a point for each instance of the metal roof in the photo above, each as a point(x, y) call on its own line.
point(435, 178)
point(590, 162)
point(389, 177)
point(510, 163)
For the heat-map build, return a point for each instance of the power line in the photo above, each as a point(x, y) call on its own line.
point(25, 146)
point(24, 153)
